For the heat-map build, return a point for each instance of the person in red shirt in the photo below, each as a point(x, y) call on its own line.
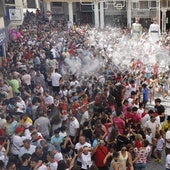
point(84, 103)
point(75, 107)
point(100, 153)
point(128, 115)
point(135, 116)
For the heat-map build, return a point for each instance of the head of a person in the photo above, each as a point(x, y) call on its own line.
point(34, 135)
point(115, 155)
point(129, 147)
point(145, 143)
point(101, 143)
point(26, 157)
point(11, 166)
point(86, 150)
point(19, 130)
point(157, 101)
point(126, 102)
point(86, 124)
point(27, 143)
point(82, 139)
point(152, 118)
point(137, 19)
point(56, 132)
point(33, 161)
point(44, 143)
point(50, 156)
point(38, 151)
point(24, 116)
point(123, 149)
point(154, 20)
point(71, 117)
point(150, 112)
point(61, 165)
point(133, 94)
point(9, 119)
point(134, 110)
point(63, 128)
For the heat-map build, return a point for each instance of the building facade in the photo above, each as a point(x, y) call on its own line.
point(100, 13)
point(111, 12)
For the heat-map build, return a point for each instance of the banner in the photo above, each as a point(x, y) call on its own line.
point(3, 36)
point(15, 14)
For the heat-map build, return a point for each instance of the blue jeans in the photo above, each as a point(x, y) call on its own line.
point(140, 166)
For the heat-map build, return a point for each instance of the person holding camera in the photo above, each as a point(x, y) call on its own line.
point(85, 155)
point(100, 152)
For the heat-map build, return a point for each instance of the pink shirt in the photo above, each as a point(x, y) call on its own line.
point(119, 123)
point(136, 117)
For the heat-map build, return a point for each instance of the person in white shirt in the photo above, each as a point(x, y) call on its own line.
point(85, 117)
point(136, 30)
point(55, 79)
point(79, 146)
point(27, 148)
point(48, 99)
point(167, 144)
point(73, 127)
point(154, 31)
point(17, 141)
point(86, 157)
point(167, 162)
point(26, 78)
point(52, 163)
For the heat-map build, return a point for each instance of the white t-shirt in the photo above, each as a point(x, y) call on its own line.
point(55, 78)
point(53, 165)
point(49, 100)
point(26, 78)
point(152, 126)
point(144, 119)
point(73, 126)
point(17, 143)
point(42, 167)
point(167, 163)
point(167, 137)
point(86, 160)
point(84, 117)
point(79, 145)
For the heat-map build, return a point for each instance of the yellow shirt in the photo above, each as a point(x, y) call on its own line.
point(26, 123)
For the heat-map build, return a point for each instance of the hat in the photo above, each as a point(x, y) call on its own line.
point(19, 129)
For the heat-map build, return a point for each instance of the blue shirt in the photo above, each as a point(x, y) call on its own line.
point(56, 141)
point(145, 93)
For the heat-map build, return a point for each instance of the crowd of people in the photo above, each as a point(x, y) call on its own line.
point(57, 118)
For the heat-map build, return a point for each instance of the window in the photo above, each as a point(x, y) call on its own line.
point(31, 4)
point(143, 4)
point(152, 4)
point(9, 1)
point(55, 4)
point(135, 5)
